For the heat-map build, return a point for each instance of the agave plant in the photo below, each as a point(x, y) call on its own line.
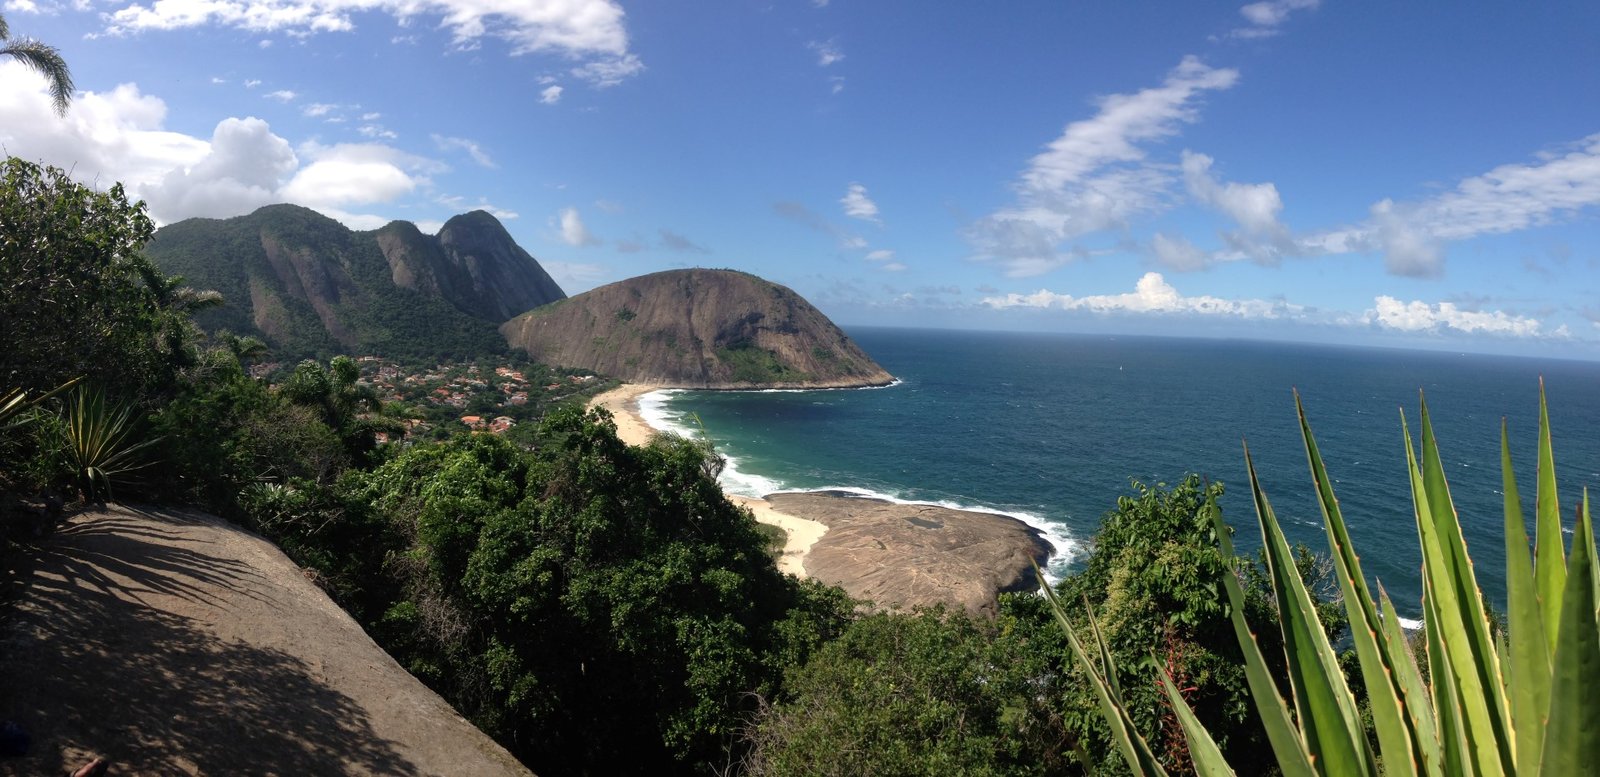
point(15, 403)
point(1522, 704)
point(100, 443)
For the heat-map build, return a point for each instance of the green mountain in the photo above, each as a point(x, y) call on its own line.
point(309, 286)
point(696, 329)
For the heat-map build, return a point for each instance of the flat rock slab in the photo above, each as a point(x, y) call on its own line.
point(173, 642)
point(904, 556)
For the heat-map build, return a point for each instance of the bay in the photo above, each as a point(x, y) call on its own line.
point(1051, 428)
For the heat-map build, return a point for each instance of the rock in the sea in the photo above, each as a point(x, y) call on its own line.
point(900, 555)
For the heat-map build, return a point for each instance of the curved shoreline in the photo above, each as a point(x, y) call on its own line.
point(893, 553)
point(802, 533)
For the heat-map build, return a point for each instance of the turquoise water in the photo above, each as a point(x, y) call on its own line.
point(1051, 427)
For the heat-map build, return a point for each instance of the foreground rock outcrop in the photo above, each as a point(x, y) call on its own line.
point(908, 555)
point(171, 642)
point(716, 329)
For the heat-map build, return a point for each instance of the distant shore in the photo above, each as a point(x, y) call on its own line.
point(897, 555)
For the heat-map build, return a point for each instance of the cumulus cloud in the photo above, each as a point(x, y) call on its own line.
point(118, 136)
point(281, 95)
point(1266, 19)
point(243, 169)
point(880, 255)
point(1418, 316)
point(857, 205)
point(471, 147)
point(551, 95)
point(573, 232)
point(1151, 295)
point(589, 30)
point(350, 174)
point(1096, 175)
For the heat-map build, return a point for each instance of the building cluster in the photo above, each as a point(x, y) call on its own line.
point(486, 400)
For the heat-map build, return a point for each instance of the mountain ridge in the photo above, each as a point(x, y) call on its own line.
point(309, 286)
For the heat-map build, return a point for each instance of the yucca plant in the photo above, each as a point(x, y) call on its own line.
point(100, 443)
point(1525, 703)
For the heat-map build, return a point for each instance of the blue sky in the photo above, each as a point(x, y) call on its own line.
point(1341, 172)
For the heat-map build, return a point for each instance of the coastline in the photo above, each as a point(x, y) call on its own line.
point(890, 554)
point(802, 533)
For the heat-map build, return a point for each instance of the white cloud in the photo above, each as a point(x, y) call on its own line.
point(827, 52)
point(550, 95)
point(371, 116)
point(573, 232)
point(1151, 295)
point(218, 80)
point(894, 267)
point(1417, 316)
point(836, 84)
point(470, 146)
point(241, 171)
point(118, 136)
point(281, 95)
point(252, 83)
point(1096, 175)
point(350, 174)
point(880, 255)
point(1177, 253)
point(315, 110)
point(608, 72)
point(1266, 19)
point(1412, 235)
point(1254, 207)
point(857, 205)
point(22, 6)
point(591, 30)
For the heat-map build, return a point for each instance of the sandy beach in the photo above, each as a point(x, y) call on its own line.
point(623, 402)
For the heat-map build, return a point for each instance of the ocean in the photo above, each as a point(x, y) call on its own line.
point(1051, 428)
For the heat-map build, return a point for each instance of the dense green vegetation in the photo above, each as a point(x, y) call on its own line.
point(602, 609)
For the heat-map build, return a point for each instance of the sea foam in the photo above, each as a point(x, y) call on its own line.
point(655, 409)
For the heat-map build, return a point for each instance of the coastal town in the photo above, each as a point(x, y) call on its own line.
point(483, 396)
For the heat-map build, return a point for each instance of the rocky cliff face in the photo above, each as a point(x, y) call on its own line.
point(472, 263)
point(696, 329)
point(309, 286)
